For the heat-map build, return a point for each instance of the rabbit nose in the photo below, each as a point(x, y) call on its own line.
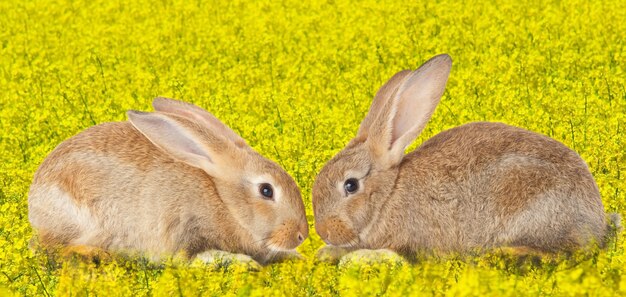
point(322, 230)
point(303, 232)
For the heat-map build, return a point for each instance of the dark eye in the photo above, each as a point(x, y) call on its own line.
point(266, 191)
point(351, 185)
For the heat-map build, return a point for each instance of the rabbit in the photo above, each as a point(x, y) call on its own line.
point(173, 181)
point(478, 186)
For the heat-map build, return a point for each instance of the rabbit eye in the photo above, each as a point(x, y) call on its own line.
point(351, 185)
point(266, 191)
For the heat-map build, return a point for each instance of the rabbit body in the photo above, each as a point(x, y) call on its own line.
point(137, 203)
point(113, 188)
point(480, 185)
point(486, 185)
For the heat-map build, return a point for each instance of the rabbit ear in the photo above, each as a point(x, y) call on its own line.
point(407, 111)
point(383, 95)
point(188, 142)
point(199, 115)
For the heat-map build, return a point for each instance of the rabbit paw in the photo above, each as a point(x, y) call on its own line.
point(331, 254)
point(225, 259)
point(86, 253)
point(371, 257)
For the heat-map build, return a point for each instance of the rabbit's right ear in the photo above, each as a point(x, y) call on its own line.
point(188, 142)
point(198, 115)
point(384, 94)
point(403, 108)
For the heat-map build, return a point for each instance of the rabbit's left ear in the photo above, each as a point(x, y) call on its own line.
point(384, 94)
point(191, 143)
point(402, 117)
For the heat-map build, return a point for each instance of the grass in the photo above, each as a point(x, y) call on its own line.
point(294, 78)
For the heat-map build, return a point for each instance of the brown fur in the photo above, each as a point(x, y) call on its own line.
point(480, 185)
point(127, 194)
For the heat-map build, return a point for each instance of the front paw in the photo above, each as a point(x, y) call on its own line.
point(86, 253)
point(226, 259)
point(371, 257)
point(331, 254)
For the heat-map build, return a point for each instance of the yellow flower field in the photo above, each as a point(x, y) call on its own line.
point(294, 78)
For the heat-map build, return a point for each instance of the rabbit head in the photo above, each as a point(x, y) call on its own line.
point(261, 197)
point(354, 185)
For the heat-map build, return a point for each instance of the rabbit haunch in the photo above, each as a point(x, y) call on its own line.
point(169, 181)
point(479, 185)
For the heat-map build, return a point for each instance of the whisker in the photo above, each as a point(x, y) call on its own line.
point(273, 254)
point(262, 239)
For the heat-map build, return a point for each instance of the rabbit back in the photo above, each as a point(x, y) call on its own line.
point(490, 184)
point(112, 188)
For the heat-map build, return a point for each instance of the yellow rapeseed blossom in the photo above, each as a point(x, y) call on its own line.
point(295, 78)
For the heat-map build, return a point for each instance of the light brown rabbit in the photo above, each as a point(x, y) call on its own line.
point(477, 186)
point(176, 180)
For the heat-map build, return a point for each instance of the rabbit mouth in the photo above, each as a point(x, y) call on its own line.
point(343, 240)
point(335, 232)
point(274, 245)
point(287, 238)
